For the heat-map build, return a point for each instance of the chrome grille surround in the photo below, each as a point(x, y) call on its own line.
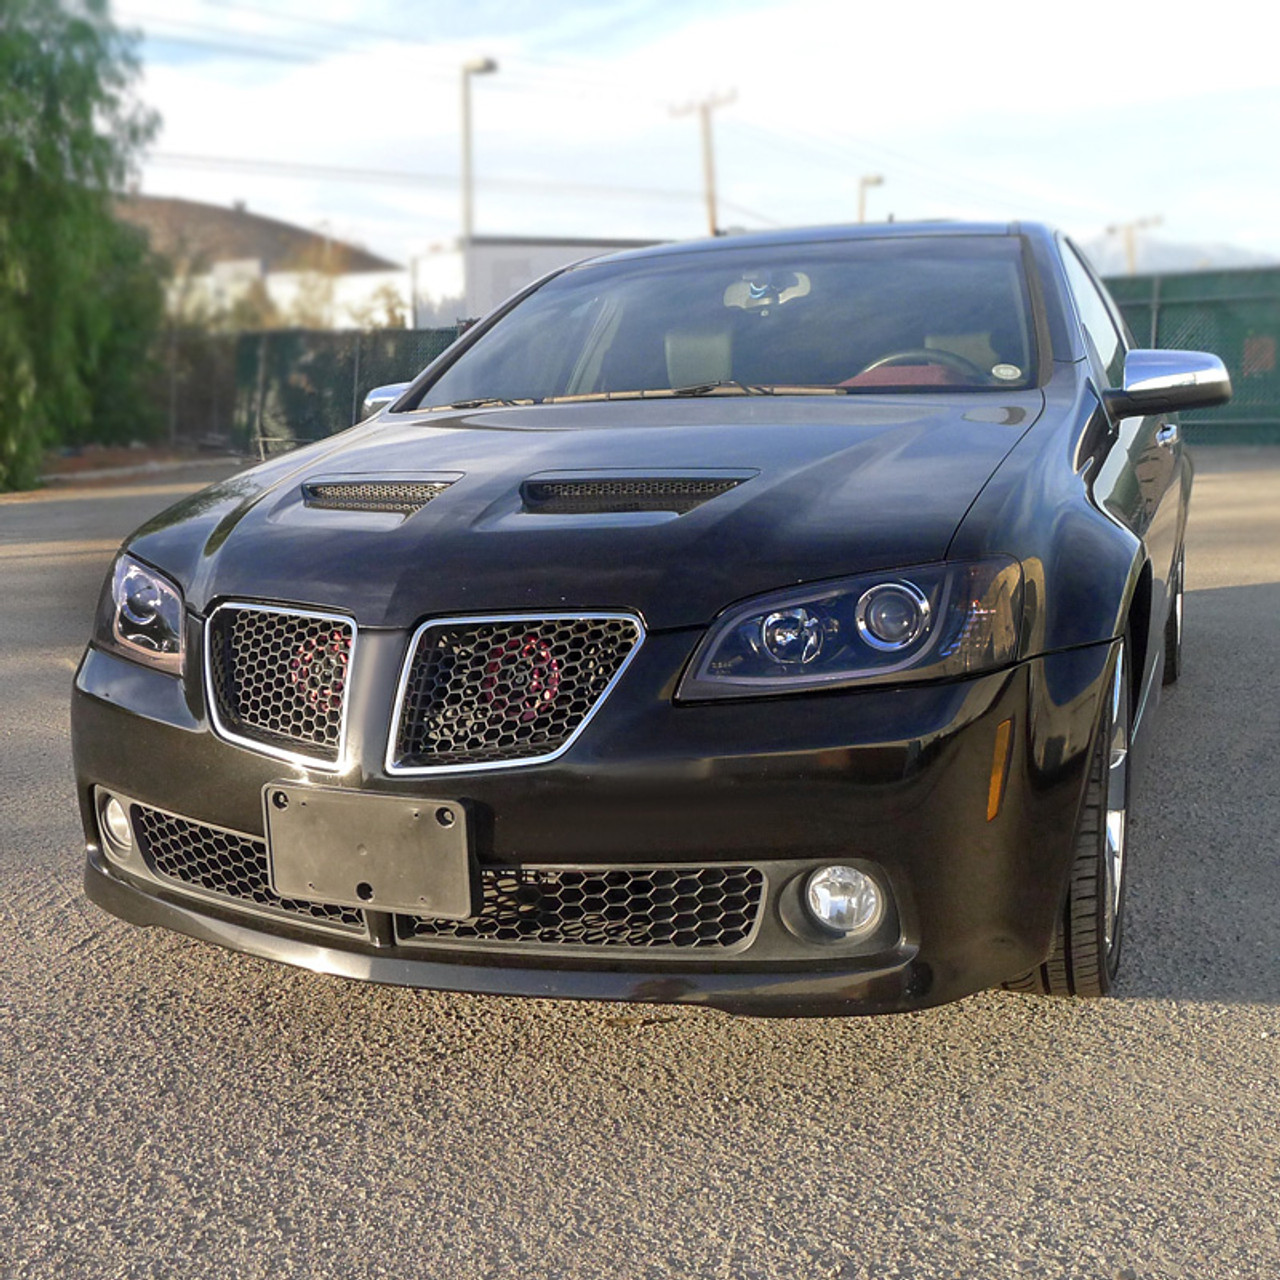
point(543, 677)
point(225, 867)
point(655, 909)
point(284, 705)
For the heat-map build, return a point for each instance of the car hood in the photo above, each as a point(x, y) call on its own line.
point(825, 487)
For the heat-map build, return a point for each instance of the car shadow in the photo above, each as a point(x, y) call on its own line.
point(1205, 851)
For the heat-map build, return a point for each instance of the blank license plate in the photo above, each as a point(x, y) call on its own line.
point(360, 850)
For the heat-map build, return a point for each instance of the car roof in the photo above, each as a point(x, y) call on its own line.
point(821, 235)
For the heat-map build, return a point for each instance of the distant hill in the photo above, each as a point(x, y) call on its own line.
point(1156, 256)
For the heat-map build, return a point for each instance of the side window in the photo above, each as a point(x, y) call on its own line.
point(1095, 317)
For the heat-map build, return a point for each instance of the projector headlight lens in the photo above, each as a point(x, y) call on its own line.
point(792, 637)
point(893, 616)
point(141, 616)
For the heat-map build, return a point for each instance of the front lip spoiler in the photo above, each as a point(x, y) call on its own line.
point(901, 986)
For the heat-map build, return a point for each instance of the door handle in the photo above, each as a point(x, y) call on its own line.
point(1167, 433)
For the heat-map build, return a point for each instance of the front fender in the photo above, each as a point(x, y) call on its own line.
point(1081, 565)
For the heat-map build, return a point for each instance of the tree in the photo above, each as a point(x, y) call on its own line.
point(77, 291)
point(385, 308)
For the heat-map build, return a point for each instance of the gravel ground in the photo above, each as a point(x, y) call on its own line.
point(169, 1109)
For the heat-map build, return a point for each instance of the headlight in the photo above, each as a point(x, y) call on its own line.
point(928, 623)
point(141, 616)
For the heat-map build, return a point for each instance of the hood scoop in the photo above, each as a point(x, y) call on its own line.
point(612, 492)
point(398, 495)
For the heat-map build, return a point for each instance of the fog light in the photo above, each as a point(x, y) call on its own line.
point(844, 901)
point(115, 825)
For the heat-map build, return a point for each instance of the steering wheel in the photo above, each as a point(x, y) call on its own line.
point(928, 355)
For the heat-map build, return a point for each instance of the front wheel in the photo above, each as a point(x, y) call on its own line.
point(1086, 943)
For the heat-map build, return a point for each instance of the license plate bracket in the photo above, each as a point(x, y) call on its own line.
point(386, 853)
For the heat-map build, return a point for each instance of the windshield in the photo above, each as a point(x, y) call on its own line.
point(918, 314)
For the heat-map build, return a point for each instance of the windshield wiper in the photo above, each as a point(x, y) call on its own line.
point(722, 384)
point(483, 403)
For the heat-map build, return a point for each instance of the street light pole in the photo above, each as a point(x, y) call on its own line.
point(867, 180)
point(476, 67)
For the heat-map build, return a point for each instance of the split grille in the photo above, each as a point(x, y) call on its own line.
point(225, 865)
point(402, 497)
point(475, 692)
point(279, 678)
point(496, 691)
point(652, 908)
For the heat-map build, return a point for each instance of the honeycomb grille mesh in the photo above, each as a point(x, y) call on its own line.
point(223, 863)
point(661, 907)
point(402, 497)
point(487, 692)
point(280, 678)
point(624, 494)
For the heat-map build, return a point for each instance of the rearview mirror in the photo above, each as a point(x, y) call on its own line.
point(380, 397)
point(1166, 381)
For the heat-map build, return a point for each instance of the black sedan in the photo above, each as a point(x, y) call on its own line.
point(768, 623)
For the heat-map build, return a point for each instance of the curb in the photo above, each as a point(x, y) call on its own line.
point(141, 469)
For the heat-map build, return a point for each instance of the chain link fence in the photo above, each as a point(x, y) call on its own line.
point(294, 386)
point(192, 389)
point(1234, 314)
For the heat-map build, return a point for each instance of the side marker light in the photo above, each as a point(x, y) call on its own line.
point(999, 768)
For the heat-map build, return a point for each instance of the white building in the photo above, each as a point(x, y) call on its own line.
point(465, 280)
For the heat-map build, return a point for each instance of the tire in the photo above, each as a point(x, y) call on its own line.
point(1090, 929)
point(1173, 623)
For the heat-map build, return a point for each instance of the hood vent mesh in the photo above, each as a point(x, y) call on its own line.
point(622, 494)
point(402, 497)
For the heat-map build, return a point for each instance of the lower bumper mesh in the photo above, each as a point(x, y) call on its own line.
point(654, 908)
point(226, 865)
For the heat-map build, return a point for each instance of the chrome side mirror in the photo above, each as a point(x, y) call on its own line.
point(1166, 381)
point(380, 397)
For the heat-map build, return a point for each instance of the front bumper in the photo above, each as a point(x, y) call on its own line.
point(895, 779)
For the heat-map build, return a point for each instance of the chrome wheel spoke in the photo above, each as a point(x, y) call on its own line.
point(1114, 873)
point(1178, 601)
point(1117, 804)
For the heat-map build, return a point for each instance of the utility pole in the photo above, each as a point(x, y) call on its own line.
point(704, 110)
point(1130, 232)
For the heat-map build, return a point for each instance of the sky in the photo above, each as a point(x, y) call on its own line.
point(344, 115)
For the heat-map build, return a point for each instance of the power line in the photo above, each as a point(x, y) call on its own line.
point(973, 187)
point(542, 73)
point(219, 46)
point(277, 15)
point(402, 177)
point(751, 213)
point(562, 69)
point(205, 30)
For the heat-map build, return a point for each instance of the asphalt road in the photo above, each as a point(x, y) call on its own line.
point(171, 1110)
